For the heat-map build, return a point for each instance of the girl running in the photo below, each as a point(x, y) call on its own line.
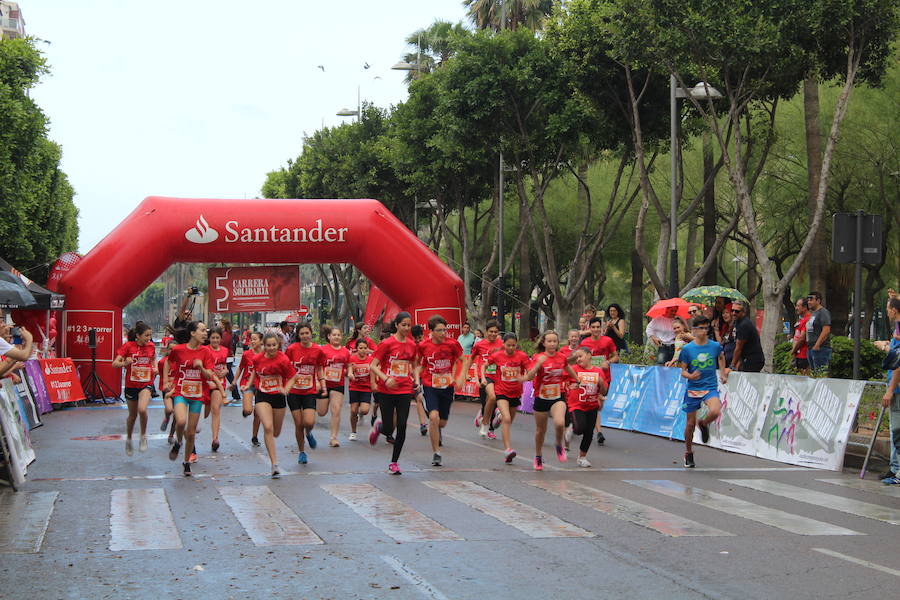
point(361, 331)
point(335, 370)
point(189, 365)
point(437, 357)
point(584, 398)
point(308, 360)
point(487, 420)
point(572, 343)
point(511, 364)
point(549, 370)
point(393, 364)
point(217, 396)
point(242, 381)
point(167, 401)
point(418, 334)
point(360, 385)
point(272, 377)
point(137, 357)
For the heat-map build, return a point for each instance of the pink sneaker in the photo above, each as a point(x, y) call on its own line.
point(394, 468)
point(509, 455)
point(538, 463)
point(376, 430)
point(498, 417)
point(491, 436)
point(561, 454)
point(478, 420)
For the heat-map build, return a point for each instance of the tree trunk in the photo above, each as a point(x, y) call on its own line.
point(690, 250)
point(752, 282)
point(525, 287)
point(817, 262)
point(636, 312)
point(709, 210)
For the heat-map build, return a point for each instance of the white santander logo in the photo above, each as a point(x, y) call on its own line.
point(201, 232)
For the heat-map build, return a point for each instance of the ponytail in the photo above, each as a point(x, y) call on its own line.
point(139, 328)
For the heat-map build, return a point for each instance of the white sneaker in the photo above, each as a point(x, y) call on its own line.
point(482, 431)
point(569, 431)
point(352, 437)
point(128, 448)
point(583, 462)
point(143, 445)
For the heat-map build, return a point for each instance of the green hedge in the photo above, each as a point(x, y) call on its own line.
point(870, 359)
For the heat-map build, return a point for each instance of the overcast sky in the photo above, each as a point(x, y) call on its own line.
point(202, 98)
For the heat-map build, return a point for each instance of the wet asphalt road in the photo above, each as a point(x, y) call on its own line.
point(636, 525)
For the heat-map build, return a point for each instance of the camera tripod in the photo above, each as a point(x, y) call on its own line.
point(95, 390)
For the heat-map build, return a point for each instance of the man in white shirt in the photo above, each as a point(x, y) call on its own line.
point(661, 333)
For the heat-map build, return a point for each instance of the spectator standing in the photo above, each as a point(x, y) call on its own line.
point(891, 398)
point(725, 334)
point(800, 348)
point(818, 333)
point(661, 334)
point(614, 327)
point(748, 352)
point(466, 338)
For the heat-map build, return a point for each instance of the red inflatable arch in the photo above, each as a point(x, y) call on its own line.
point(162, 231)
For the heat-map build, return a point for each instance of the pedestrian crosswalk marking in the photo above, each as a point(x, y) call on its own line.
point(266, 518)
point(24, 518)
point(527, 519)
point(141, 519)
point(875, 487)
point(741, 508)
point(393, 517)
point(840, 503)
point(627, 510)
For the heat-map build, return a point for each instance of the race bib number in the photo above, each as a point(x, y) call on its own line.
point(490, 369)
point(333, 373)
point(304, 381)
point(142, 374)
point(697, 393)
point(399, 368)
point(588, 382)
point(361, 371)
point(510, 374)
point(221, 370)
point(270, 384)
point(598, 360)
point(191, 389)
point(549, 391)
point(441, 380)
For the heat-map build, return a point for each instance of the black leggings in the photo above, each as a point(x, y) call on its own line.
point(583, 423)
point(390, 403)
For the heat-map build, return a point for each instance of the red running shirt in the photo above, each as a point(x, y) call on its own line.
point(601, 348)
point(188, 379)
point(549, 379)
point(139, 373)
point(396, 359)
point(482, 350)
point(437, 362)
point(336, 360)
point(509, 369)
point(585, 393)
point(220, 357)
point(246, 366)
point(272, 373)
point(305, 360)
point(359, 373)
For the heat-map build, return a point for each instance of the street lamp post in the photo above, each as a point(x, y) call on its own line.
point(346, 112)
point(701, 91)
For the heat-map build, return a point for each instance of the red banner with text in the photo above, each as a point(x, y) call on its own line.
point(61, 380)
point(254, 289)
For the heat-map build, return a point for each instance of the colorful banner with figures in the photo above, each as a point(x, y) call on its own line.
point(786, 418)
point(14, 431)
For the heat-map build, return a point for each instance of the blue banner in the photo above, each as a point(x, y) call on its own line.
point(646, 399)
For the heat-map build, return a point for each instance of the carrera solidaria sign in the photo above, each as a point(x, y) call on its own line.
point(254, 289)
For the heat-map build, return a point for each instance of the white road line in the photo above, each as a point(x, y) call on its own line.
point(266, 518)
point(427, 590)
point(627, 510)
point(24, 518)
point(141, 519)
point(858, 561)
point(839, 503)
point(527, 519)
point(741, 508)
point(395, 518)
point(876, 487)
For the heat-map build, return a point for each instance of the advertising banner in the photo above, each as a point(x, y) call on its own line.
point(61, 380)
point(35, 380)
point(254, 289)
point(786, 418)
point(13, 430)
point(77, 325)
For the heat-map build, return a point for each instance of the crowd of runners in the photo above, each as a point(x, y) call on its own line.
point(384, 380)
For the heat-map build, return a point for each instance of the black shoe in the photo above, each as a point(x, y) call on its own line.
point(436, 460)
point(689, 460)
point(389, 439)
point(255, 441)
point(886, 475)
point(601, 439)
point(423, 429)
point(173, 451)
point(704, 433)
point(187, 469)
point(215, 446)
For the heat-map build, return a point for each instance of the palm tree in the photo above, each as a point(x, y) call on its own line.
point(488, 14)
point(431, 47)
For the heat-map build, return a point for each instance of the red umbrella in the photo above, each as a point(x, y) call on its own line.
point(659, 309)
